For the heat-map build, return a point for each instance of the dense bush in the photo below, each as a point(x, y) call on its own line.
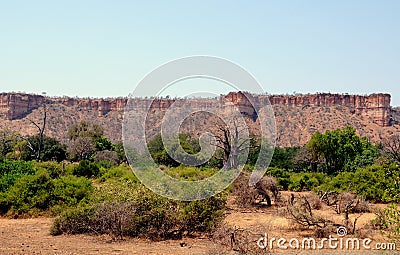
point(87, 169)
point(159, 152)
point(365, 182)
point(103, 144)
point(128, 208)
point(39, 192)
point(53, 168)
point(51, 149)
point(106, 158)
point(366, 158)
point(202, 215)
point(8, 140)
point(306, 181)
point(190, 173)
point(30, 192)
point(341, 149)
point(297, 181)
point(282, 176)
point(284, 158)
point(70, 190)
point(119, 149)
point(118, 173)
point(75, 221)
point(377, 183)
point(388, 220)
point(10, 171)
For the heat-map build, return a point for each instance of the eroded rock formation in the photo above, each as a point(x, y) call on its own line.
point(297, 116)
point(375, 106)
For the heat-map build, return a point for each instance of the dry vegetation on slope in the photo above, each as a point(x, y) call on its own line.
point(294, 125)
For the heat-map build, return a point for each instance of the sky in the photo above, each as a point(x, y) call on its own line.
point(96, 48)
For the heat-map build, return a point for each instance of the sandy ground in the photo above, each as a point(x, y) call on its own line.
point(31, 236)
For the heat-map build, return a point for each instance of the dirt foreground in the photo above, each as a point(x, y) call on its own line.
point(32, 236)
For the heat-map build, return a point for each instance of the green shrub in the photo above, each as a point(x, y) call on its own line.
point(284, 157)
point(51, 149)
point(75, 221)
point(70, 190)
point(392, 183)
point(306, 181)
point(128, 208)
point(10, 171)
point(282, 176)
point(155, 217)
point(203, 215)
point(53, 168)
point(341, 149)
point(123, 172)
point(190, 173)
point(388, 220)
point(29, 192)
point(368, 183)
point(39, 193)
point(87, 169)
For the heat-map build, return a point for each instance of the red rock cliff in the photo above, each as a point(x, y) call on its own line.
point(375, 106)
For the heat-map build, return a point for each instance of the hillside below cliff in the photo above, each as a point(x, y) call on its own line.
point(297, 116)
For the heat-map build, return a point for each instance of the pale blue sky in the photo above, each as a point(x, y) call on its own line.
point(104, 48)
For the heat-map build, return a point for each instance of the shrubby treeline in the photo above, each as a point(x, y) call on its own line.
point(86, 142)
point(86, 184)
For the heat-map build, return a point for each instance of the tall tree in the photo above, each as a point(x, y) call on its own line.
point(85, 129)
point(52, 149)
point(160, 155)
point(232, 140)
point(336, 148)
point(36, 148)
point(391, 147)
point(83, 138)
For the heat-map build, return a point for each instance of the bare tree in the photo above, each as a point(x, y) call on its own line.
point(36, 149)
point(345, 203)
point(82, 138)
point(391, 147)
point(232, 140)
point(300, 211)
point(81, 148)
point(304, 157)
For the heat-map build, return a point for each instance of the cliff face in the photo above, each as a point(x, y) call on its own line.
point(18, 105)
point(101, 106)
point(297, 117)
point(374, 106)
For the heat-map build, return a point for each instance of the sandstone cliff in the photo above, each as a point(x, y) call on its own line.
point(375, 106)
point(297, 116)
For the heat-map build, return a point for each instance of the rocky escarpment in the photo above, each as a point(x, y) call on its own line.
point(374, 106)
point(297, 116)
point(18, 105)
